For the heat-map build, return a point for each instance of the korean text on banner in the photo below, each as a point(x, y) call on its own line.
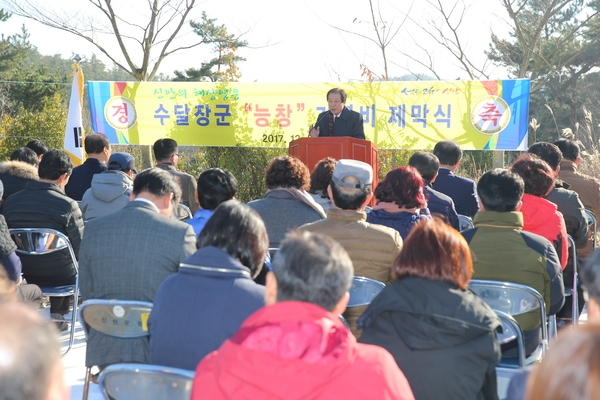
point(489, 115)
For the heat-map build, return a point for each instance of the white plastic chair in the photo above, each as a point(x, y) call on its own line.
point(573, 292)
point(363, 291)
point(592, 221)
point(513, 299)
point(117, 318)
point(465, 222)
point(38, 242)
point(183, 212)
point(145, 382)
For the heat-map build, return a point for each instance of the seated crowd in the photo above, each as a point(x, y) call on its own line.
point(253, 297)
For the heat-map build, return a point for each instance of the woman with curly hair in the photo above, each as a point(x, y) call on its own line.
point(319, 181)
point(401, 201)
point(541, 216)
point(287, 204)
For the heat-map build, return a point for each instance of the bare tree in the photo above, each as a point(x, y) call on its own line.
point(444, 25)
point(385, 30)
point(142, 43)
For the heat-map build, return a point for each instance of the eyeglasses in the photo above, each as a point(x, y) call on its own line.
point(176, 154)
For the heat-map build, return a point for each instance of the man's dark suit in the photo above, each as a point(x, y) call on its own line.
point(349, 123)
point(126, 255)
point(439, 203)
point(462, 190)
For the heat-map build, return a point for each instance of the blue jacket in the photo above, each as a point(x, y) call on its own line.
point(402, 221)
point(463, 191)
point(81, 178)
point(200, 219)
point(439, 203)
point(199, 307)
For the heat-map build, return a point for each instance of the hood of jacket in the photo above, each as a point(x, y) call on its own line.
point(536, 214)
point(109, 185)
point(431, 315)
point(19, 169)
point(290, 350)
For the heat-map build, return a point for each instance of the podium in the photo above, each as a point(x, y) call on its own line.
point(311, 150)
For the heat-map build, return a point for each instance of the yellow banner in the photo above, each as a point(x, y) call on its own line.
point(409, 115)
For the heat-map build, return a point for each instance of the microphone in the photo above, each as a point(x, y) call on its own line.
point(326, 113)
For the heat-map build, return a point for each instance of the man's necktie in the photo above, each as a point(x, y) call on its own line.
point(330, 123)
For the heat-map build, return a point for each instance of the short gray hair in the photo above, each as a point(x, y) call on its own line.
point(29, 346)
point(312, 267)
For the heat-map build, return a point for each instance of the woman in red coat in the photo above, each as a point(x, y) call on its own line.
point(541, 216)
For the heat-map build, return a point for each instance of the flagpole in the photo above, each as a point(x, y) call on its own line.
point(73, 143)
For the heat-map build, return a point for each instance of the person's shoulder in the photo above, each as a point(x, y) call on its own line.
point(464, 180)
point(536, 242)
point(439, 195)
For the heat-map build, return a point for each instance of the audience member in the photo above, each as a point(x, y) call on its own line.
point(196, 309)
point(166, 154)
point(438, 203)
point(43, 204)
point(371, 247)
point(571, 369)
point(30, 361)
point(463, 191)
point(38, 147)
point(566, 200)
point(25, 154)
point(11, 263)
point(541, 216)
point(8, 290)
point(319, 181)
point(111, 189)
point(97, 148)
point(430, 322)
point(215, 186)
point(17, 172)
point(573, 212)
point(401, 201)
point(287, 204)
point(126, 255)
point(503, 251)
point(590, 282)
point(587, 187)
point(297, 347)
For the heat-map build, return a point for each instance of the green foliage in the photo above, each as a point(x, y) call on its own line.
point(47, 125)
point(223, 67)
point(555, 43)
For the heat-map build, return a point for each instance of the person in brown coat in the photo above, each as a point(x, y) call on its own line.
point(372, 248)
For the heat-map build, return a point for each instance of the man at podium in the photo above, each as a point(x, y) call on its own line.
point(339, 120)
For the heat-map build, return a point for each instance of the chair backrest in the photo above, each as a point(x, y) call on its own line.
point(363, 291)
point(503, 377)
point(592, 221)
point(183, 212)
point(145, 382)
point(573, 292)
point(511, 331)
point(118, 318)
point(41, 241)
point(513, 299)
point(465, 222)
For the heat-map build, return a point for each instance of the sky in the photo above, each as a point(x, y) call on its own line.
point(297, 41)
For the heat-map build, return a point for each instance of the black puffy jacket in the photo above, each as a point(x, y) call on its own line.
point(44, 205)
